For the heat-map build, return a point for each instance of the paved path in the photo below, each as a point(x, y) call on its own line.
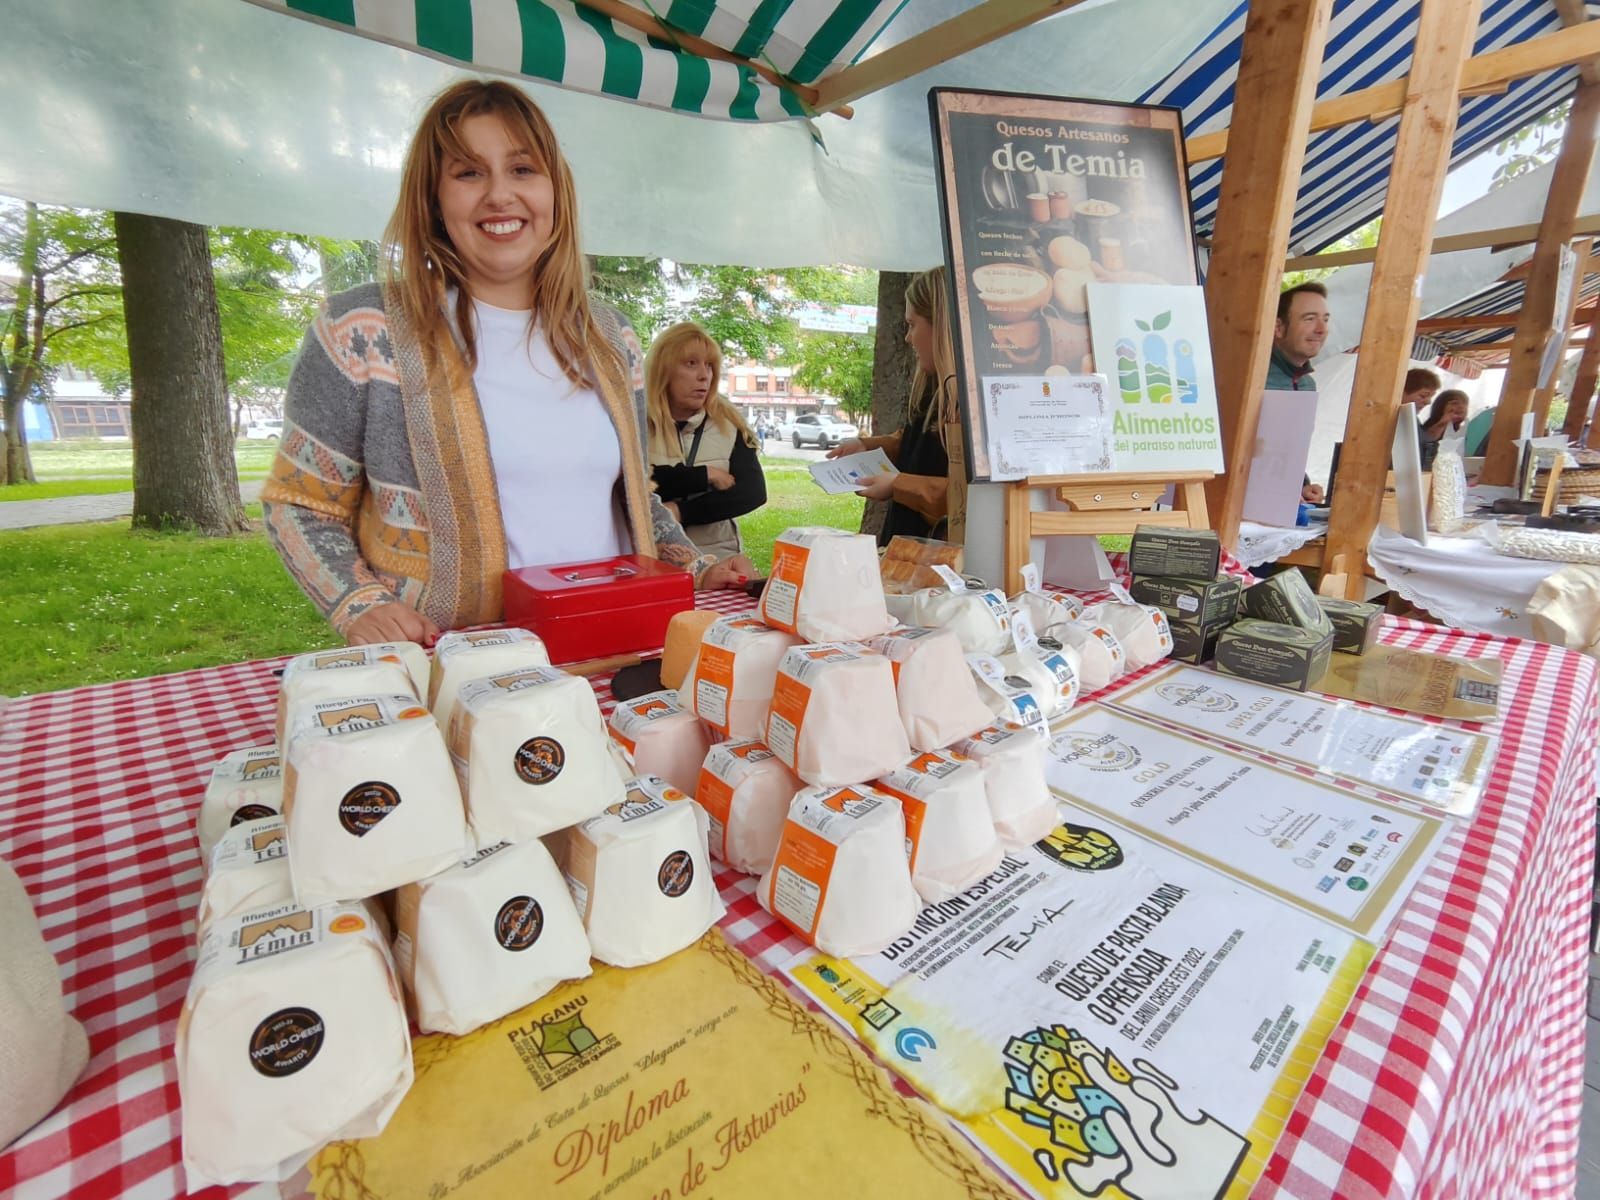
point(71, 510)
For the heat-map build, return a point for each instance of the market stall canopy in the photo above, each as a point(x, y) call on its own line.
point(1502, 297)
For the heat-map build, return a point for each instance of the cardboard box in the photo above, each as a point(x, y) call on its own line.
point(1193, 642)
point(1287, 599)
point(1175, 553)
point(1285, 656)
point(1200, 601)
point(1355, 624)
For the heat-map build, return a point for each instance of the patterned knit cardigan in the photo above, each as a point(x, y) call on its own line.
point(383, 488)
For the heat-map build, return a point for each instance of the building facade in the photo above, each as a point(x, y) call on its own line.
point(766, 393)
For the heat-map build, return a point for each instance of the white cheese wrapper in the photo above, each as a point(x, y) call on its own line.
point(1012, 761)
point(382, 669)
point(662, 738)
point(1046, 610)
point(486, 937)
point(1050, 675)
point(949, 828)
point(249, 870)
point(370, 799)
point(1101, 657)
point(825, 586)
point(745, 792)
point(841, 879)
point(640, 876)
point(835, 717)
point(729, 683)
point(980, 619)
point(292, 1036)
point(531, 754)
point(463, 656)
point(1010, 697)
point(1142, 629)
point(244, 786)
point(935, 693)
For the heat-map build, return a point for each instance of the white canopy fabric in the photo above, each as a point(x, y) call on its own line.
point(228, 113)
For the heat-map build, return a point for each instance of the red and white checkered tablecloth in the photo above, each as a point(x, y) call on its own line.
point(1458, 1070)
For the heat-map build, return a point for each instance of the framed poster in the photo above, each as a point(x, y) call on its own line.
point(1040, 197)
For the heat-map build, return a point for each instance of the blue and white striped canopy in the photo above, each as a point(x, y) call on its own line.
point(1346, 170)
point(1504, 296)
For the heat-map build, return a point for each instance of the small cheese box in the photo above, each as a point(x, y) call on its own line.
point(1203, 601)
point(1355, 624)
point(597, 609)
point(1181, 553)
point(1269, 652)
point(1287, 599)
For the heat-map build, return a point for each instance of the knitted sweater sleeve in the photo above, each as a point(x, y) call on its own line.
point(313, 494)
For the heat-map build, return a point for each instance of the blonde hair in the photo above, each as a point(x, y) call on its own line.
point(668, 350)
point(422, 263)
point(926, 296)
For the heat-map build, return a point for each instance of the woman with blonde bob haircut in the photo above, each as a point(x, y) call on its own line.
point(475, 411)
point(702, 453)
point(928, 498)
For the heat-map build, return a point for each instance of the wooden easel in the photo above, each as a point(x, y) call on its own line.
point(1115, 503)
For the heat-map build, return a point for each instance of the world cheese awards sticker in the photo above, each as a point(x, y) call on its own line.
point(519, 923)
point(286, 1042)
point(676, 874)
point(1103, 753)
point(365, 805)
point(1204, 698)
point(539, 760)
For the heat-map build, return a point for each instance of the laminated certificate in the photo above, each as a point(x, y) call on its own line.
point(1435, 765)
point(1346, 858)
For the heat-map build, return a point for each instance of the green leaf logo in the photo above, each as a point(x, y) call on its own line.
point(1163, 320)
point(1141, 325)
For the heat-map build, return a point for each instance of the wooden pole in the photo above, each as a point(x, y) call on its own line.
point(1503, 238)
point(1445, 31)
point(1543, 397)
point(1279, 62)
point(1583, 385)
point(1567, 184)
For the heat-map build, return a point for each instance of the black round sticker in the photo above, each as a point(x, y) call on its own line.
point(251, 812)
point(365, 805)
point(519, 923)
point(539, 760)
point(676, 873)
point(286, 1042)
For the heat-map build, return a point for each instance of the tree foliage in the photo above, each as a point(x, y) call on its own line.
point(1532, 146)
point(837, 365)
point(1357, 239)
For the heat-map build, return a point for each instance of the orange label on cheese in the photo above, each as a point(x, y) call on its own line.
point(713, 685)
point(798, 884)
point(716, 797)
point(780, 600)
point(790, 699)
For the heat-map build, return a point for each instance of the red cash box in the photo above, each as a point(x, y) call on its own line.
point(597, 609)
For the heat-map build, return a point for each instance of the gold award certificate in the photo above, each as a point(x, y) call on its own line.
point(696, 1076)
point(1345, 858)
point(1105, 1017)
point(1433, 765)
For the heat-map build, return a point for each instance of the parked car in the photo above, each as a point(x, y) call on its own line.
point(814, 429)
point(263, 430)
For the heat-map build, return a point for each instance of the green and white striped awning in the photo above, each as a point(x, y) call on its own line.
point(578, 47)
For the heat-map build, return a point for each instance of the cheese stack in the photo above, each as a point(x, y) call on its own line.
point(661, 738)
point(486, 937)
point(245, 786)
point(461, 657)
point(745, 792)
point(949, 827)
point(530, 753)
point(934, 692)
point(249, 870)
point(389, 668)
point(835, 718)
point(1014, 782)
point(729, 684)
point(1141, 629)
point(825, 586)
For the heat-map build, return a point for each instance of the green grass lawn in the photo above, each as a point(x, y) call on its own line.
point(85, 467)
point(91, 603)
point(56, 489)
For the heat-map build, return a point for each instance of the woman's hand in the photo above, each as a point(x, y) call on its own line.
point(719, 479)
point(848, 446)
point(729, 573)
point(1312, 493)
point(879, 487)
point(393, 622)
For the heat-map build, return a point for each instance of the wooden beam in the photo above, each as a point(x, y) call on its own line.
point(1503, 347)
point(1583, 383)
point(1573, 12)
point(1501, 320)
point(1445, 30)
point(1567, 184)
point(978, 26)
point(1502, 238)
point(1548, 53)
point(1279, 60)
point(1543, 397)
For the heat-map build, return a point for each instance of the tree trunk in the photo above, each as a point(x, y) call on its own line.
point(19, 368)
point(183, 469)
point(892, 364)
point(16, 466)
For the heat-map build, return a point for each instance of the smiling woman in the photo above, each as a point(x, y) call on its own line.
point(477, 411)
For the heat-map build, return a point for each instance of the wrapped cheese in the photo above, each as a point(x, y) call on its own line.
point(249, 870)
point(1101, 657)
point(1050, 676)
point(640, 876)
point(746, 792)
point(486, 937)
point(1046, 610)
point(934, 691)
point(835, 718)
point(948, 824)
point(370, 799)
point(841, 879)
point(825, 586)
point(531, 754)
point(460, 657)
point(1012, 761)
point(1141, 629)
point(980, 619)
point(292, 1036)
point(684, 631)
point(729, 684)
point(662, 738)
point(383, 669)
point(245, 785)
point(1009, 697)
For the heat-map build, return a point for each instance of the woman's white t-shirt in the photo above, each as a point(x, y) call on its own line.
point(555, 451)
